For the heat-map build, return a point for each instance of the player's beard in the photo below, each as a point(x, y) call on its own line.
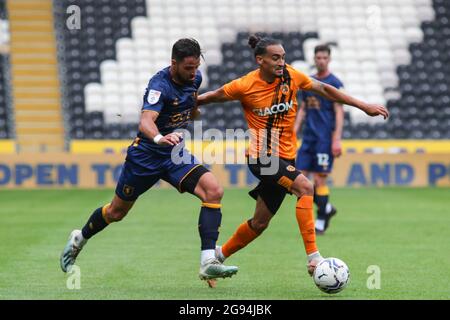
point(189, 81)
point(181, 80)
point(184, 80)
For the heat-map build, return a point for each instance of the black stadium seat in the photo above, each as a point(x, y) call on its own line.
point(424, 83)
point(82, 51)
point(4, 87)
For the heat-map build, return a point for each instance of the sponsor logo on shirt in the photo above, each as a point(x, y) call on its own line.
point(276, 108)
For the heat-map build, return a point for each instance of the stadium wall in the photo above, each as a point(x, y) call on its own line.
point(89, 170)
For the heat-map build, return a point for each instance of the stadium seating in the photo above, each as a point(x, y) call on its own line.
point(425, 83)
point(81, 53)
point(378, 46)
point(3, 100)
point(4, 60)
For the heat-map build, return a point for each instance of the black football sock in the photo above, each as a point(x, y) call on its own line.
point(208, 225)
point(95, 224)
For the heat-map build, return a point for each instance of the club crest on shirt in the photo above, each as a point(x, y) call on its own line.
point(284, 88)
point(128, 190)
point(153, 96)
point(290, 168)
point(175, 102)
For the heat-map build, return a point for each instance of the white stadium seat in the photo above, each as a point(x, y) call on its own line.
point(388, 79)
point(414, 35)
point(402, 57)
point(94, 99)
point(127, 65)
point(213, 57)
point(130, 88)
point(112, 113)
point(363, 52)
point(111, 99)
point(426, 13)
point(130, 115)
point(143, 54)
point(128, 76)
point(349, 56)
point(353, 77)
point(142, 66)
point(111, 88)
point(157, 32)
point(143, 77)
point(303, 66)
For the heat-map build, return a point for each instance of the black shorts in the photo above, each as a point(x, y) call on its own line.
point(276, 177)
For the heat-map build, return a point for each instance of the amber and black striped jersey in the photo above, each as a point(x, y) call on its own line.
point(270, 110)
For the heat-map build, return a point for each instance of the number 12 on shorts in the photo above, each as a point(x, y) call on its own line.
point(323, 159)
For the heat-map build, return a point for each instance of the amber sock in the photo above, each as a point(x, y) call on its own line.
point(305, 219)
point(241, 237)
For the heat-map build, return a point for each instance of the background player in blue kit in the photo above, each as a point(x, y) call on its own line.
point(322, 131)
point(168, 103)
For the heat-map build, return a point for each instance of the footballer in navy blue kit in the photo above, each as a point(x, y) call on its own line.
point(158, 153)
point(148, 162)
point(322, 121)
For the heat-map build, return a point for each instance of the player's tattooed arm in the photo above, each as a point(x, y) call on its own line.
point(331, 93)
point(148, 127)
point(212, 96)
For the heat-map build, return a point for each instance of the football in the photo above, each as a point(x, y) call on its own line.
point(331, 275)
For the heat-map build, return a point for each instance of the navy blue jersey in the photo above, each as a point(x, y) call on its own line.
point(174, 103)
point(320, 119)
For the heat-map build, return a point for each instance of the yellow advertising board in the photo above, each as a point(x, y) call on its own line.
point(7, 146)
point(65, 170)
point(348, 146)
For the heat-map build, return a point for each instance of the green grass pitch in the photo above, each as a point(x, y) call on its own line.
point(154, 252)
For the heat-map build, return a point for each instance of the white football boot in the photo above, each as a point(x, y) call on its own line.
point(213, 269)
point(71, 250)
